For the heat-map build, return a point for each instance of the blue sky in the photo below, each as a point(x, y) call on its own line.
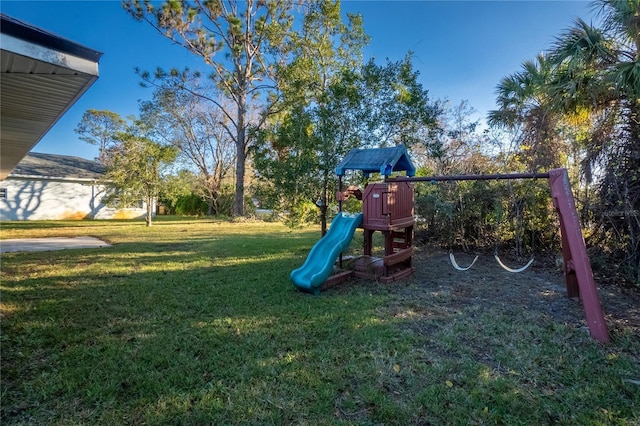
point(461, 48)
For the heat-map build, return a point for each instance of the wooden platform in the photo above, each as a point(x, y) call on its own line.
point(384, 269)
point(336, 279)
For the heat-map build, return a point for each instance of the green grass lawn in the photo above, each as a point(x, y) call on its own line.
point(196, 322)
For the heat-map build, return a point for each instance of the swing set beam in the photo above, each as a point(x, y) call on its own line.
point(498, 176)
point(577, 267)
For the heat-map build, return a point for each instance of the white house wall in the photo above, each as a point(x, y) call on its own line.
point(51, 199)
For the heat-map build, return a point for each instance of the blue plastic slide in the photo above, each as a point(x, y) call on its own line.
point(319, 264)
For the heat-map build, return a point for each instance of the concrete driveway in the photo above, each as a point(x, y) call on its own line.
point(47, 244)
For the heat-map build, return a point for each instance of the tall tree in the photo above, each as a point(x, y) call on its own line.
point(525, 107)
point(396, 108)
point(134, 170)
point(599, 71)
point(240, 41)
point(370, 107)
point(459, 146)
point(197, 130)
point(285, 164)
point(590, 79)
point(98, 127)
point(315, 86)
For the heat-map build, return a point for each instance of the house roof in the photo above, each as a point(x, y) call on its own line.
point(378, 160)
point(53, 166)
point(41, 76)
point(32, 34)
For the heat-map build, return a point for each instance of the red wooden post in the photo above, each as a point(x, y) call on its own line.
point(578, 273)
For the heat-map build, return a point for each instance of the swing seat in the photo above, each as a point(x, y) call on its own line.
point(458, 267)
point(508, 269)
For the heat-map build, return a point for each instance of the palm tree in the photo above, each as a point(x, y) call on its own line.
point(598, 70)
point(524, 105)
point(588, 82)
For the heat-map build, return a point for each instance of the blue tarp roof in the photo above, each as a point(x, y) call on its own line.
point(378, 160)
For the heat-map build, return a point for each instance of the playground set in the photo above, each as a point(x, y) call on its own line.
point(388, 207)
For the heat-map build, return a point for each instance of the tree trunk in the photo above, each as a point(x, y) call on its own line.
point(241, 154)
point(149, 210)
point(238, 200)
point(324, 202)
point(323, 220)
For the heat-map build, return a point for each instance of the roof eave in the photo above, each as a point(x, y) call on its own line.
point(58, 178)
point(42, 76)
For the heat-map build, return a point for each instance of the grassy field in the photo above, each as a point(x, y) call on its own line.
point(196, 322)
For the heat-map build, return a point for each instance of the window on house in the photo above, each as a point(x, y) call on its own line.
point(3, 193)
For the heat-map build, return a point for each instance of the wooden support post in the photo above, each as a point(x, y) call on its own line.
point(578, 273)
point(368, 241)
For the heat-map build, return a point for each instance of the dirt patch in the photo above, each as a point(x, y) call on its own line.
point(540, 288)
point(437, 290)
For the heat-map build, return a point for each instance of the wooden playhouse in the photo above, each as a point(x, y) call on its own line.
point(387, 207)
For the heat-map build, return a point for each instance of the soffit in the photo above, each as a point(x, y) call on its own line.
point(38, 84)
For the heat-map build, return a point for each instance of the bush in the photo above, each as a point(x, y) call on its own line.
point(302, 213)
point(475, 215)
point(191, 205)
